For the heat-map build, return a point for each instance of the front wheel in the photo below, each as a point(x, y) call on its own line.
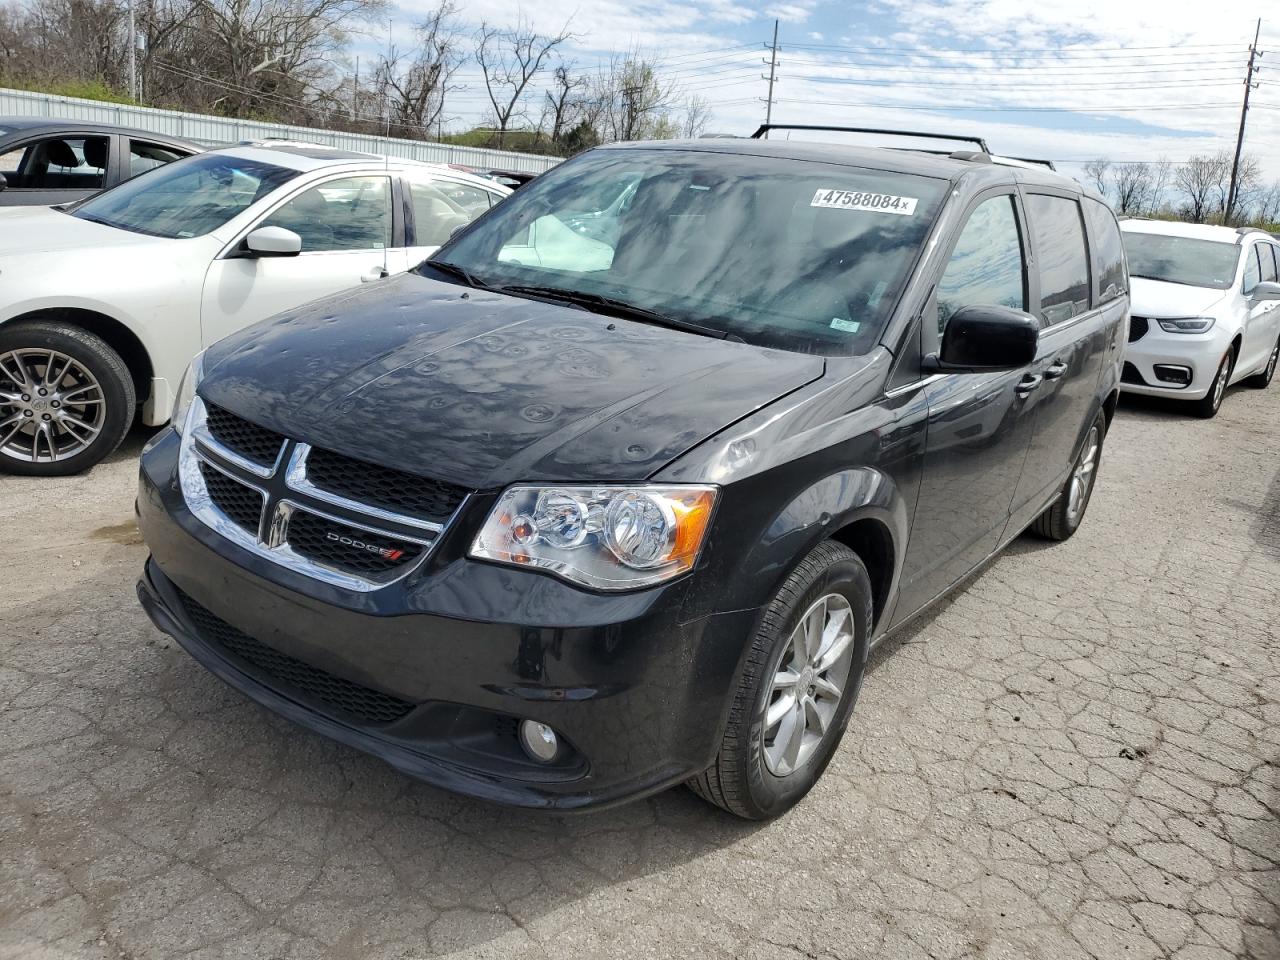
point(800, 681)
point(1263, 380)
point(1063, 518)
point(1208, 405)
point(66, 399)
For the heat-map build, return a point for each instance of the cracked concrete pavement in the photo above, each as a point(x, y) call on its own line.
point(1078, 756)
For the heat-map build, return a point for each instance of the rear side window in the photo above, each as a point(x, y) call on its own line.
point(1108, 251)
point(436, 213)
point(1062, 259)
point(986, 267)
point(145, 156)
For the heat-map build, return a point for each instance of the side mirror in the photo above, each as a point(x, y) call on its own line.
point(1267, 290)
point(982, 338)
point(272, 242)
point(3, 183)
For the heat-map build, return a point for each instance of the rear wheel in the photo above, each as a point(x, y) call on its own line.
point(797, 689)
point(1263, 380)
point(66, 399)
point(1063, 518)
point(1211, 402)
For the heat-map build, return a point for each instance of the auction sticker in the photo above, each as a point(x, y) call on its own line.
point(869, 202)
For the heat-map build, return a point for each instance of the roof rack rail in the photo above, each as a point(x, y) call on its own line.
point(1039, 163)
point(766, 127)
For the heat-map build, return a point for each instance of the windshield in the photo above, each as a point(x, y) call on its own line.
point(803, 256)
point(186, 198)
point(1197, 263)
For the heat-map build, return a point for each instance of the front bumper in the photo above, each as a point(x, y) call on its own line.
point(432, 673)
point(1201, 353)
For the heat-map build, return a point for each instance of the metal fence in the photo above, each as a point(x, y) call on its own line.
point(212, 131)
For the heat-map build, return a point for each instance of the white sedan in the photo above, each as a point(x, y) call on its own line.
point(103, 305)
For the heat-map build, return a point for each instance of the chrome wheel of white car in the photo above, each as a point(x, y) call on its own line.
point(51, 407)
point(1210, 403)
point(66, 398)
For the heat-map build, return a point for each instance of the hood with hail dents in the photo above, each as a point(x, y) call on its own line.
point(482, 389)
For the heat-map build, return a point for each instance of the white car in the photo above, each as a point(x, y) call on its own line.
point(103, 305)
point(1206, 310)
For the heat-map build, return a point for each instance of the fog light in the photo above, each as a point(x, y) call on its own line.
point(1168, 373)
point(539, 741)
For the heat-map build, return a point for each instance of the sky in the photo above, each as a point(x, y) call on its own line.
point(1123, 79)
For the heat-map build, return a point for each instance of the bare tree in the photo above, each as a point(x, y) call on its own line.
point(1199, 181)
point(1267, 211)
point(1161, 176)
point(1096, 171)
point(697, 114)
point(1133, 183)
point(635, 102)
point(509, 58)
point(566, 100)
point(413, 85)
point(1248, 182)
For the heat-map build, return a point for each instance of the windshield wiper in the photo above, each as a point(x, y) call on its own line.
point(598, 303)
point(462, 273)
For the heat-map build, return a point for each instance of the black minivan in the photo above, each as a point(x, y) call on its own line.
point(617, 490)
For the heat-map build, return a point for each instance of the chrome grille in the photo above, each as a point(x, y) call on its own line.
point(277, 511)
point(241, 503)
point(383, 487)
point(254, 443)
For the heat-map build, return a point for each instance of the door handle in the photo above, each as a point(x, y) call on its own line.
point(1056, 369)
point(1028, 383)
point(377, 273)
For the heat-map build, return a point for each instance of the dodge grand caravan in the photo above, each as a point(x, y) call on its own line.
point(617, 490)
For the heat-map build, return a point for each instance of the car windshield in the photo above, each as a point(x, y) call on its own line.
point(803, 256)
point(1186, 260)
point(186, 198)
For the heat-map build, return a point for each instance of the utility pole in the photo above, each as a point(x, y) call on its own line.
point(1254, 55)
point(133, 56)
point(773, 73)
point(355, 91)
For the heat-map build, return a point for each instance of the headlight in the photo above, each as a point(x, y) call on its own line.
point(1187, 325)
point(187, 392)
point(606, 537)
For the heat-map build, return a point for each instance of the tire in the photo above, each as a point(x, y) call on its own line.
point(752, 776)
point(1208, 406)
point(1261, 381)
point(1066, 513)
point(88, 408)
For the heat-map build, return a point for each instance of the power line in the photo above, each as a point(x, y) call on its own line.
point(1019, 52)
point(930, 107)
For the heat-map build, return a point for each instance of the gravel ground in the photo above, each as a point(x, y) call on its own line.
point(1078, 756)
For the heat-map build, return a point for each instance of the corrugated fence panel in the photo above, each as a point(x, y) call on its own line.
point(223, 130)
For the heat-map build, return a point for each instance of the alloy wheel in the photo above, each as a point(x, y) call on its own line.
point(1271, 363)
point(1082, 476)
point(809, 682)
point(1220, 384)
point(51, 407)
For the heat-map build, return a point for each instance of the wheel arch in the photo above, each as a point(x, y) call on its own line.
point(114, 333)
point(862, 508)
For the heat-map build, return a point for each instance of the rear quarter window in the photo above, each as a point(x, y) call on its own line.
point(1062, 258)
point(1108, 252)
